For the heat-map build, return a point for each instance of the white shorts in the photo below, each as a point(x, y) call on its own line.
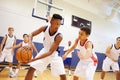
point(107, 63)
point(85, 70)
point(57, 67)
point(6, 55)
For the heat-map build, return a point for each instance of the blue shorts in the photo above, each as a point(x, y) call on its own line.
point(68, 61)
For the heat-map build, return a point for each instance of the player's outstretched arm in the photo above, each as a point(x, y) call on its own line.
point(71, 49)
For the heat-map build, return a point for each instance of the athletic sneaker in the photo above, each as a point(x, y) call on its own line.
point(11, 73)
point(35, 74)
point(14, 75)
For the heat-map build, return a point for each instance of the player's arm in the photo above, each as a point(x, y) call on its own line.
point(15, 46)
point(71, 49)
point(35, 49)
point(2, 43)
point(36, 32)
point(107, 53)
point(53, 48)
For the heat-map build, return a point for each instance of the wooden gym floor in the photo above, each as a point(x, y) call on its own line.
point(47, 75)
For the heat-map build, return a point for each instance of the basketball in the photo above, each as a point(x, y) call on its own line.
point(24, 54)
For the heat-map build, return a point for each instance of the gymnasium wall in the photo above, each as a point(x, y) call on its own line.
point(17, 13)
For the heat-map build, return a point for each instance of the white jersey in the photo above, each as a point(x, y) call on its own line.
point(83, 50)
point(114, 52)
point(24, 44)
point(49, 40)
point(9, 41)
point(70, 54)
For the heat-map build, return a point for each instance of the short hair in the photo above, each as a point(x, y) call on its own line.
point(10, 28)
point(57, 16)
point(117, 38)
point(86, 29)
point(25, 35)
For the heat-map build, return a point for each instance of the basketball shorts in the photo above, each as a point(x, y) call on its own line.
point(6, 55)
point(68, 61)
point(107, 63)
point(57, 67)
point(85, 70)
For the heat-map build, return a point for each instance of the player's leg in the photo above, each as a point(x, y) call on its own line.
point(115, 68)
point(9, 59)
point(63, 77)
point(102, 75)
point(29, 75)
point(117, 75)
point(17, 70)
point(69, 66)
point(105, 67)
point(57, 68)
point(75, 78)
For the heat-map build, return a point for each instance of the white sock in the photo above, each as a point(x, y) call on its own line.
point(10, 69)
point(16, 71)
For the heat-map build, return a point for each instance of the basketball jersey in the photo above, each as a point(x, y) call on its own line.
point(24, 44)
point(114, 52)
point(83, 50)
point(49, 40)
point(70, 54)
point(9, 41)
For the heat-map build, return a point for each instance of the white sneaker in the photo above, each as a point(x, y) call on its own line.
point(35, 75)
point(14, 75)
point(11, 73)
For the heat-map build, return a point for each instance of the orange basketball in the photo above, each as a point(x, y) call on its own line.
point(24, 54)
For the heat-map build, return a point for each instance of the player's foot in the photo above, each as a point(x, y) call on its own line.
point(11, 73)
point(14, 75)
point(35, 75)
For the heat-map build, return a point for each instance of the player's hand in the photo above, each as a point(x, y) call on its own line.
point(64, 56)
point(114, 60)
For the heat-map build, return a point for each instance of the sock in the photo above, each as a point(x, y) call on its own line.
point(10, 69)
point(16, 71)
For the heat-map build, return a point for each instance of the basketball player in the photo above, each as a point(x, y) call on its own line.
point(88, 61)
point(68, 60)
point(112, 53)
point(48, 55)
point(22, 44)
point(8, 40)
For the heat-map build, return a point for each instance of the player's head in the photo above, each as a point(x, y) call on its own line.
point(118, 41)
point(56, 21)
point(69, 43)
point(25, 37)
point(10, 30)
point(84, 32)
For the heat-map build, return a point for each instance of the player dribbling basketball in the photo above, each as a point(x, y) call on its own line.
point(49, 54)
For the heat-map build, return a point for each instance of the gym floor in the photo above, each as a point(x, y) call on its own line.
point(46, 75)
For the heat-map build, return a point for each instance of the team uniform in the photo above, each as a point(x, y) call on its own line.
point(68, 60)
point(86, 68)
point(7, 53)
point(57, 67)
point(107, 63)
